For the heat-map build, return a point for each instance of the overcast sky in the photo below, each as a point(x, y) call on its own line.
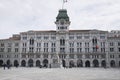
point(23, 15)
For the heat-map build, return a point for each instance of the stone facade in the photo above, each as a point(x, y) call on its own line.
point(62, 47)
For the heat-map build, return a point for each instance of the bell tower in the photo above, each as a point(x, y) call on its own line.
point(62, 21)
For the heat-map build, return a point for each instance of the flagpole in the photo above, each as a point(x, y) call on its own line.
point(64, 1)
point(63, 4)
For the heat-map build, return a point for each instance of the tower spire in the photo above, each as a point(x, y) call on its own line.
point(64, 1)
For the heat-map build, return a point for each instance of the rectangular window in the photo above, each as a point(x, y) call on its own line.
point(62, 50)
point(24, 50)
point(38, 50)
point(111, 56)
point(24, 38)
point(53, 45)
point(2, 45)
point(86, 50)
point(45, 49)
point(111, 44)
point(79, 50)
point(71, 44)
point(79, 37)
point(1, 49)
point(53, 49)
point(86, 44)
point(79, 44)
point(53, 37)
point(94, 49)
point(9, 44)
point(45, 44)
point(38, 37)
point(9, 49)
point(71, 50)
point(111, 49)
point(31, 49)
point(38, 44)
point(24, 44)
point(102, 44)
point(118, 49)
point(16, 49)
point(118, 43)
point(46, 37)
point(71, 37)
point(102, 37)
point(102, 49)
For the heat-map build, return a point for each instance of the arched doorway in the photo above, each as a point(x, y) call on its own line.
point(112, 63)
point(71, 64)
point(38, 63)
point(63, 63)
point(16, 64)
point(87, 64)
point(95, 63)
point(23, 63)
point(103, 63)
point(79, 63)
point(8, 62)
point(45, 63)
point(30, 63)
point(1, 63)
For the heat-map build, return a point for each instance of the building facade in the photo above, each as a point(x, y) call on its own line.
point(62, 47)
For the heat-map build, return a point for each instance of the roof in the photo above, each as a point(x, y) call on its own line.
point(62, 15)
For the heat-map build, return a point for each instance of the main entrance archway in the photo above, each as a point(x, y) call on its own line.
point(79, 63)
point(16, 64)
point(23, 63)
point(30, 63)
point(103, 63)
point(71, 64)
point(112, 63)
point(87, 63)
point(8, 62)
point(1, 63)
point(38, 63)
point(45, 63)
point(95, 63)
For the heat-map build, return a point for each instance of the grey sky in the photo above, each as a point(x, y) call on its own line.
point(23, 15)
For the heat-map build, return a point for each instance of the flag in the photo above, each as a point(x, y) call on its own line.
point(97, 46)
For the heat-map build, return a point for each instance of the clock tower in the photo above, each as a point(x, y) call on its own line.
point(62, 21)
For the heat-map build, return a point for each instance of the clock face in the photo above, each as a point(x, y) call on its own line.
point(62, 22)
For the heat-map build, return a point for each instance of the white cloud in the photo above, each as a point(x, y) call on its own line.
point(23, 15)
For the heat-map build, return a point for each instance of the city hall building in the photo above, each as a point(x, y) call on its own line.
point(62, 47)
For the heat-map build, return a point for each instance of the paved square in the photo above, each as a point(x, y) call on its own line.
point(60, 74)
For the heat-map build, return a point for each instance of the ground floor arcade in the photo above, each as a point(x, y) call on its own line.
point(65, 63)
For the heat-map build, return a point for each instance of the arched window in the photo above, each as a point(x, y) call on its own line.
point(31, 41)
point(87, 63)
point(62, 42)
point(23, 63)
point(94, 40)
